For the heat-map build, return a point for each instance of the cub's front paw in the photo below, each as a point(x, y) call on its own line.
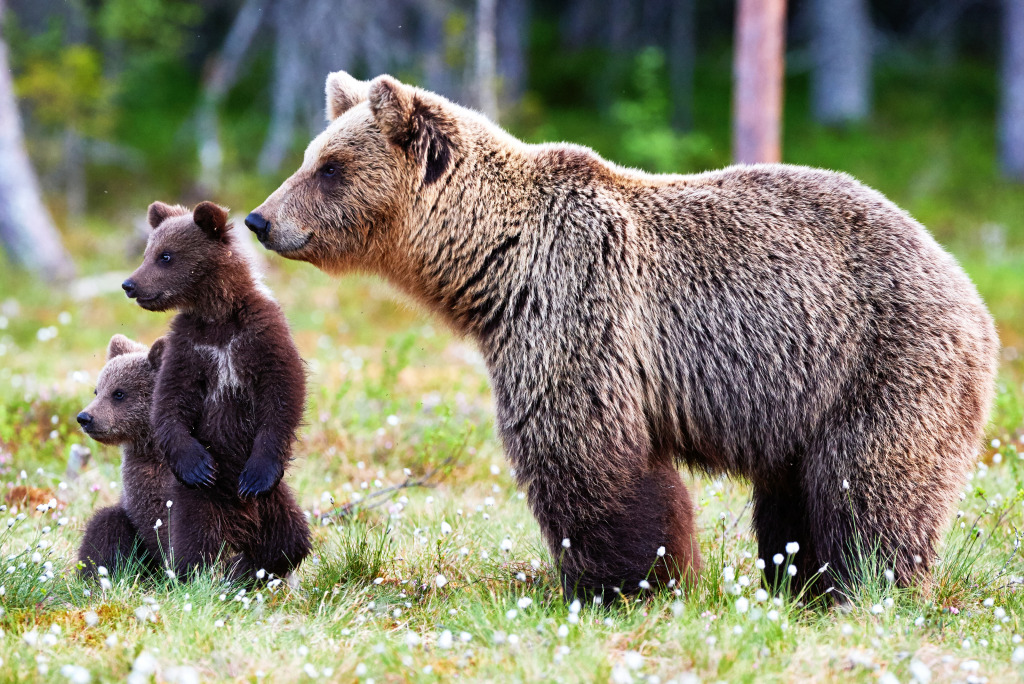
point(259, 476)
point(193, 466)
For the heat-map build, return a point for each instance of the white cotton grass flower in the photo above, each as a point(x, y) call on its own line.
point(773, 615)
point(440, 581)
point(91, 618)
point(446, 529)
point(524, 603)
point(920, 672)
point(778, 559)
point(889, 576)
point(511, 614)
point(759, 563)
point(792, 548)
point(760, 595)
point(575, 607)
point(661, 552)
point(633, 660)
point(644, 584)
point(445, 640)
point(563, 631)
point(566, 543)
point(506, 545)
point(728, 574)
point(742, 605)
point(791, 570)
point(877, 609)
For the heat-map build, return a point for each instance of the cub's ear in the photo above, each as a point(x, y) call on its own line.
point(156, 353)
point(212, 219)
point(119, 344)
point(343, 93)
point(160, 212)
point(415, 124)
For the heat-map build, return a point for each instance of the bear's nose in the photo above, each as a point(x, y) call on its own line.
point(84, 419)
point(129, 288)
point(259, 225)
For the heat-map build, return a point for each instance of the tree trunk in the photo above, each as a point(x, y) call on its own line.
point(513, 26)
point(841, 45)
point(682, 55)
point(26, 229)
point(289, 66)
point(221, 74)
point(486, 58)
point(757, 80)
point(1011, 110)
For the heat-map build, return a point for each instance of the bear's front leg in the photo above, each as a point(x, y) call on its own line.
point(264, 467)
point(646, 539)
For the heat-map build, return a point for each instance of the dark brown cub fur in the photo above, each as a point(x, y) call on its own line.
point(229, 397)
point(120, 415)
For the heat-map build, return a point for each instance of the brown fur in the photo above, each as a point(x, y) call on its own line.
point(780, 323)
point(120, 415)
point(229, 397)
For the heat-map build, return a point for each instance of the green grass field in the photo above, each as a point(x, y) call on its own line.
point(429, 582)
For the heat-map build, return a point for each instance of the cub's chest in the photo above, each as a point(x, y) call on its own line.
point(222, 366)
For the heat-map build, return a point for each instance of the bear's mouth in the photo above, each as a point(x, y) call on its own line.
point(291, 249)
point(147, 302)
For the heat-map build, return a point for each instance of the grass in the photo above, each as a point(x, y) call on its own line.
point(453, 579)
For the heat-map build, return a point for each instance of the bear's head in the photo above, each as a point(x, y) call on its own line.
point(187, 256)
point(120, 412)
point(385, 145)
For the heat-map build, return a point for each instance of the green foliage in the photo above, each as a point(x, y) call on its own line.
point(151, 26)
point(68, 89)
point(647, 140)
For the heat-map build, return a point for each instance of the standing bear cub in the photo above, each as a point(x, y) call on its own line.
point(229, 396)
point(120, 415)
point(780, 323)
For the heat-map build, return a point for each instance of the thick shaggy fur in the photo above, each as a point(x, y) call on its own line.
point(780, 323)
point(120, 415)
point(229, 396)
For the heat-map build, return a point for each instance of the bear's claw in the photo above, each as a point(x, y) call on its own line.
point(194, 467)
point(259, 476)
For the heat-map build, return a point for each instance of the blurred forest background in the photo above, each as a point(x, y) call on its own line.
point(124, 101)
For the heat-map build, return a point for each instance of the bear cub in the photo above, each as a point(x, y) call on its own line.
point(229, 395)
point(120, 415)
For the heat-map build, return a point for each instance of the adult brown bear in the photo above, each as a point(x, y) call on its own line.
point(780, 323)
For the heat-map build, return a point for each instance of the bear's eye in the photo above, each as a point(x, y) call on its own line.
point(329, 170)
point(164, 258)
point(118, 395)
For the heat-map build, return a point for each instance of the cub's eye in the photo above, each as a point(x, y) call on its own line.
point(329, 170)
point(164, 258)
point(118, 395)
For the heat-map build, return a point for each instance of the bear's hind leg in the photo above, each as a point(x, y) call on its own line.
point(196, 534)
point(279, 545)
point(110, 541)
point(780, 519)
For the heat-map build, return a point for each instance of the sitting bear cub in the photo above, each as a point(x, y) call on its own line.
point(120, 415)
point(229, 396)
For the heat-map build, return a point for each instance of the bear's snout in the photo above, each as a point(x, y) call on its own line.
point(259, 225)
point(129, 288)
point(84, 419)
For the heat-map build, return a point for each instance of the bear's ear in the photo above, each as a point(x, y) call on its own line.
point(343, 93)
point(160, 212)
point(119, 344)
point(212, 219)
point(414, 124)
point(156, 353)
point(392, 103)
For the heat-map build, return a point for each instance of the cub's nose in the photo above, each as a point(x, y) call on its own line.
point(84, 419)
point(259, 225)
point(129, 288)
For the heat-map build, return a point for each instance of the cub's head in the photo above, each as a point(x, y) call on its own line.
point(184, 250)
point(120, 411)
point(385, 144)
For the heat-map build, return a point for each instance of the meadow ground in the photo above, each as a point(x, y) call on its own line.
point(453, 579)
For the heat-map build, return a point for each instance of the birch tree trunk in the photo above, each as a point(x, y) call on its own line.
point(1011, 109)
point(841, 77)
point(221, 74)
point(26, 228)
point(486, 57)
point(757, 81)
